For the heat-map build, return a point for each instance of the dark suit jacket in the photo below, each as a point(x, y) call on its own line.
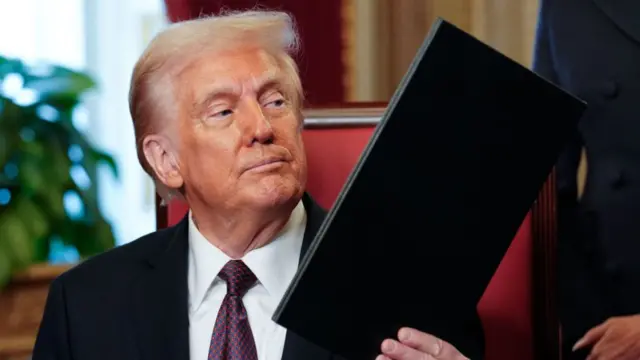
point(592, 49)
point(131, 303)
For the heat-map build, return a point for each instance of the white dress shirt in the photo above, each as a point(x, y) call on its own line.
point(274, 266)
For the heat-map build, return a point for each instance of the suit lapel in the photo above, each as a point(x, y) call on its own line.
point(315, 217)
point(160, 309)
point(296, 347)
point(624, 13)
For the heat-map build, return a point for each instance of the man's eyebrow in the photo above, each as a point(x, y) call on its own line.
point(212, 94)
point(269, 85)
point(267, 82)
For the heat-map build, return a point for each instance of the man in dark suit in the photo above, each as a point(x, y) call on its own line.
point(216, 109)
point(592, 49)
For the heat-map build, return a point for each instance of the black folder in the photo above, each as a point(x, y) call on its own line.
point(426, 216)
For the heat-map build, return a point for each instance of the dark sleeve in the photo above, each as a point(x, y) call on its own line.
point(52, 342)
point(582, 301)
point(543, 65)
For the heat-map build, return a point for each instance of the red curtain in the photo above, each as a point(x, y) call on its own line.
point(320, 25)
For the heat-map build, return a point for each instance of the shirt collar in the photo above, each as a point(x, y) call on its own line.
point(274, 264)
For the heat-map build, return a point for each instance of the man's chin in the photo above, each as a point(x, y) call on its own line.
point(277, 196)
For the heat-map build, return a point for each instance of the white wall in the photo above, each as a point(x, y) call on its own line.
point(117, 31)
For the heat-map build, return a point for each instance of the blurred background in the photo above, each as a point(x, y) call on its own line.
point(65, 128)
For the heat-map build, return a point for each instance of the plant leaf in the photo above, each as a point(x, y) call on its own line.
point(33, 218)
point(41, 249)
point(16, 241)
point(8, 66)
point(100, 157)
point(31, 175)
point(38, 143)
point(104, 236)
point(5, 268)
point(62, 83)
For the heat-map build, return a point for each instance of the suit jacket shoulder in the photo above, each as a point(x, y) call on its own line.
point(93, 310)
point(119, 265)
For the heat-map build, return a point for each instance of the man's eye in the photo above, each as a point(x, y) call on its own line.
point(223, 113)
point(276, 103)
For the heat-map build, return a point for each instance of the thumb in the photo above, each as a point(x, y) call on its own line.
point(591, 336)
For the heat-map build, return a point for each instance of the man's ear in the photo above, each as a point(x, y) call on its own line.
point(162, 158)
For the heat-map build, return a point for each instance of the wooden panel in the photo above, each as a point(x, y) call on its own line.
point(383, 36)
point(457, 12)
point(508, 26)
point(349, 60)
point(362, 47)
point(22, 304)
point(402, 26)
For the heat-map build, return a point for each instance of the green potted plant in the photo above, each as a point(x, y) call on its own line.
point(46, 164)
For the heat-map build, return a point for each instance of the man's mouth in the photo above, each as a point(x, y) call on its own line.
point(267, 164)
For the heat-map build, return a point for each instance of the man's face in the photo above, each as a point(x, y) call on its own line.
point(240, 141)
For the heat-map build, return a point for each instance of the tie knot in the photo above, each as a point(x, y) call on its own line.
point(238, 276)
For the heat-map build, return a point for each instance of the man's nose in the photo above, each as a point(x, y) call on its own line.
point(258, 126)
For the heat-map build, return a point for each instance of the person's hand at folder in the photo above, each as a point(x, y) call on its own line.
point(416, 345)
point(617, 338)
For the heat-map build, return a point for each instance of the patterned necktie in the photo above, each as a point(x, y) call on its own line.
point(232, 338)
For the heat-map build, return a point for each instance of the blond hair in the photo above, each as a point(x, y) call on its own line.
point(151, 90)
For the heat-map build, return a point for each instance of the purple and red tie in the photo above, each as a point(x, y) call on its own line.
point(232, 338)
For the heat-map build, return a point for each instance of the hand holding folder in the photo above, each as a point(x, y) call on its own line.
point(413, 344)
